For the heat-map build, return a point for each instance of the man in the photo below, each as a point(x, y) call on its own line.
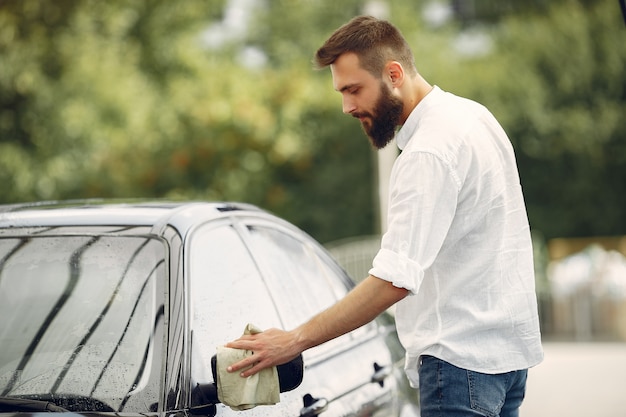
point(457, 256)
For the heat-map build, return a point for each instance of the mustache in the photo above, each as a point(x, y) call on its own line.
point(360, 115)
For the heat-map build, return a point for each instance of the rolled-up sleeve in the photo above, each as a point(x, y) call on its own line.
point(422, 202)
point(399, 270)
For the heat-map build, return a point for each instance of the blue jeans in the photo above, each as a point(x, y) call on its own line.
point(446, 390)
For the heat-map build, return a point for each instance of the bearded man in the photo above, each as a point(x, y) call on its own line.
point(456, 259)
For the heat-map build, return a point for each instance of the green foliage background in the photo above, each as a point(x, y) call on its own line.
point(127, 99)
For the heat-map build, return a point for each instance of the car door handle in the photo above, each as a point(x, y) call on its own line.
point(313, 406)
point(380, 374)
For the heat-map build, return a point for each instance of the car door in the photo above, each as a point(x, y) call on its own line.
point(226, 292)
point(348, 376)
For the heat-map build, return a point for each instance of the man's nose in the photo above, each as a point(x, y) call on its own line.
point(348, 106)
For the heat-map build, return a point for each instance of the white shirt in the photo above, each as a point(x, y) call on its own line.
point(458, 239)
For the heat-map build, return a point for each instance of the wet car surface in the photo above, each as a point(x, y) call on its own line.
point(119, 308)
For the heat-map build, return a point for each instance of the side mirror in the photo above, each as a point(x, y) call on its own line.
point(290, 374)
point(204, 396)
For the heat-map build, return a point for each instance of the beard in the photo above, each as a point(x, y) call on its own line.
point(382, 124)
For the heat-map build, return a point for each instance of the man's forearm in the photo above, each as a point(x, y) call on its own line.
point(274, 347)
point(360, 306)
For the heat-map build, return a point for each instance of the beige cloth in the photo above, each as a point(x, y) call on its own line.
point(244, 393)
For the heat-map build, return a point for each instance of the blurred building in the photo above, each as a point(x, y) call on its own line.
point(587, 278)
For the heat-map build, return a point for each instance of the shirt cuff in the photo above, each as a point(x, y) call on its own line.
point(401, 271)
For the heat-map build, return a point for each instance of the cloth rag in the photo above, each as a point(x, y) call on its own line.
point(240, 393)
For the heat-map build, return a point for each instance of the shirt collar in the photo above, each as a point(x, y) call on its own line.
point(412, 122)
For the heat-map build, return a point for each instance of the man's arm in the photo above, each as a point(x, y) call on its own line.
point(360, 306)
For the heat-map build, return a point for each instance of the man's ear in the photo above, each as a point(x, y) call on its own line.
point(394, 73)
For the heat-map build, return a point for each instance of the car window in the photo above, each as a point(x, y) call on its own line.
point(227, 293)
point(301, 279)
point(294, 273)
point(78, 315)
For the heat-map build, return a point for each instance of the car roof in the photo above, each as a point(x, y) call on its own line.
point(155, 214)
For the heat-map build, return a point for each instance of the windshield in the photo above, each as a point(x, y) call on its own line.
point(78, 318)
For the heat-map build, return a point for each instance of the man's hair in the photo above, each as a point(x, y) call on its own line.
point(374, 41)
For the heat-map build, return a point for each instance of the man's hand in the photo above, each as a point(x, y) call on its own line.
point(270, 348)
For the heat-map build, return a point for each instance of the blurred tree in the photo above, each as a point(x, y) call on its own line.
point(131, 99)
point(553, 74)
point(82, 80)
point(174, 100)
point(562, 96)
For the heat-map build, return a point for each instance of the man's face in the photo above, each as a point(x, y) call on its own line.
point(367, 98)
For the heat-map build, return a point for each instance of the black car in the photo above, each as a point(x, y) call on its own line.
point(119, 309)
